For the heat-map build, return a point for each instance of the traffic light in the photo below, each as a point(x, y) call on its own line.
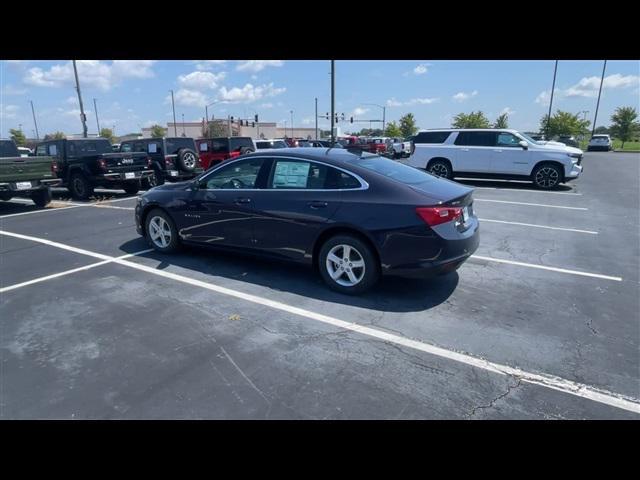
point(231, 119)
point(256, 118)
point(253, 124)
point(351, 119)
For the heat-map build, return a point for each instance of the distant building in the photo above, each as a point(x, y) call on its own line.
point(255, 130)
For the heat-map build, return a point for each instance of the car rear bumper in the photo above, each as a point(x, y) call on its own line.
point(123, 176)
point(15, 187)
point(178, 176)
point(451, 254)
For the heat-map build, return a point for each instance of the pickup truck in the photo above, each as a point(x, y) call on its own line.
point(400, 148)
point(86, 163)
point(26, 176)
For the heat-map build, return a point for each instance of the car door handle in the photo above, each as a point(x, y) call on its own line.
point(464, 149)
point(317, 204)
point(240, 200)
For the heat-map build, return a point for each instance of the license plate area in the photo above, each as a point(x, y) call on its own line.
point(129, 175)
point(23, 185)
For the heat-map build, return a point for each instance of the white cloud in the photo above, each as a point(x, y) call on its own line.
point(308, 121)
point(200, 80)
point(266, 105)
point(507, 110)
point(544, 97)
point(185, 97)
point(360, 111)
point(93, 73)
point(72, 100)
point(11, 90)
point(421, 69)
point(392, 102)
point(9, 111)
point(258, 65)
point(208, 64)
point(249, 93)
point(463, 96)
point(589, 86)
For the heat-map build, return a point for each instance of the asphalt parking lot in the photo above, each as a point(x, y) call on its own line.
point(542, 323)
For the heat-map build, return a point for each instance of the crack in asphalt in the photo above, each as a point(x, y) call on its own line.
point(498, 398)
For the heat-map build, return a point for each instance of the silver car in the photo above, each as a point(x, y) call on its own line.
point(600, 142)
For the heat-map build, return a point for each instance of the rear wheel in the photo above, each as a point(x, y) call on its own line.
point(187, 160)
point(42, 197)
point(547, 176)
point(245, 150)
point(440, 168)
point(161, 232)
point(348, 265)
point(80, 187)
point(131, 188)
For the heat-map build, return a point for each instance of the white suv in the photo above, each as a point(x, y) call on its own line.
point(494, 153)
point(600, 142)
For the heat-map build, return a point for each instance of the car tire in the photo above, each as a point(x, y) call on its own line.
point(161, 231)
point(149, 182)
point(42, 197)
point(187, 160)
point(131, 188)
point(440, 168)
point(547, 176)
point(245, 150)
point(340, 275)
point(5, 197)
point(80, 187)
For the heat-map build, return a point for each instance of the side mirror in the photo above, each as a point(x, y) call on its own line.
point(523, 144)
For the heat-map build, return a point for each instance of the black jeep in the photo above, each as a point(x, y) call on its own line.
point(173, 159)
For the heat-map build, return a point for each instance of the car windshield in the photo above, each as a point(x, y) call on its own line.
point(394, 170)
point(600, 137)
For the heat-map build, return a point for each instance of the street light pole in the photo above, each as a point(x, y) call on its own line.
point(317, 118)
point(82, 115)
point(291, 123)
point(333, 99)
point(595, 117)
point(34, 120)
point(95, 107)
point(183, 131)
point(553, 87)
point(173, 105)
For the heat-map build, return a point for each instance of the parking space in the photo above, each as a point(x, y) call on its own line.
point(541, 323)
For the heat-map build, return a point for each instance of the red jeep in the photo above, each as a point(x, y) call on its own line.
point(215, 150)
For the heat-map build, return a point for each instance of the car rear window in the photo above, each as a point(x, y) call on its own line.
point(476, 139)
point(239, 142)
point(175, 144)
point(90, 147)
point(431, 137)
point(393, 170)
point(600, 137)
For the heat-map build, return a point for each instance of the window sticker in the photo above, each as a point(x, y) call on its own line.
point(153, 148)
point(291, 174)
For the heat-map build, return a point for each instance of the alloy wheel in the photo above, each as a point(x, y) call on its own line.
point(160, 232)
point(345, 265)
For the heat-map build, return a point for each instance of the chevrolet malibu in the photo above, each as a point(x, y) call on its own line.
point(353, 217)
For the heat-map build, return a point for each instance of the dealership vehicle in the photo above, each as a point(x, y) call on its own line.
point(29, 177)
point(377, 145)
point(270, 144)
point(353, 217)
point(115, 147)
point(172, 158)
point(86, 163)
point(25, 152)
point(600, 142)
point(495, 153)
point(400, 148)
point(568, 140)
point(215, 150)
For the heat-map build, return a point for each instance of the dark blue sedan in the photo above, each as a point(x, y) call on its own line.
point(352, 216)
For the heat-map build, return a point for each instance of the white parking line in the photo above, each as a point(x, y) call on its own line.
point(68, 272)
point(539, 226)
point(549, 381)
point(544, 267)
point(100, 204)
point(530, 204)
point(44, 210)
point(524, 190)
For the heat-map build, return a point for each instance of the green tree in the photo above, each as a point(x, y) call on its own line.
point(471, 120)
point(602, 130)
point(564, 123)
point(157, 131)
point(107, 133)
point(502, 121)
point(624, 124)
point(18, 137)
point(408, 126)
point(55, 136)
point(393, 130)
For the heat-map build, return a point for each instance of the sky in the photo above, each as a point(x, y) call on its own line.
point(132, 94)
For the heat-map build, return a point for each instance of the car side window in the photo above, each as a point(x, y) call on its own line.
point(298, 174)
point(476, 139)
point(237, 175)
point(41, 150)
point(508, 140)
point(126, 147)
point(337, 179)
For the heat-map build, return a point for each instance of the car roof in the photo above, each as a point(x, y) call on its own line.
point(469, 130)
point(333, 156)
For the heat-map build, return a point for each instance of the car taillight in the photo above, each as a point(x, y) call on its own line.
point(168, 161)
point(149, 162)
point(103, 163)
point(54, 168)
point(436, 215)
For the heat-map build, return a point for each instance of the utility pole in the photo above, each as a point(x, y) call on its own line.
point(229, 125)
point(333, 100)
point(595, 117)
point(317, 118)
point(95, 107)
point(291, 123)
point(384, 120)
point(553, 87)
point(83, 117)
point(173, 105)
point(34, 120)
point(183, 131)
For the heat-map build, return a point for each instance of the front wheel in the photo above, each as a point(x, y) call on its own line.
point(42, 197)
point(440, 168)
point(348, 265)
point(161, 232)
point(547, 176)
